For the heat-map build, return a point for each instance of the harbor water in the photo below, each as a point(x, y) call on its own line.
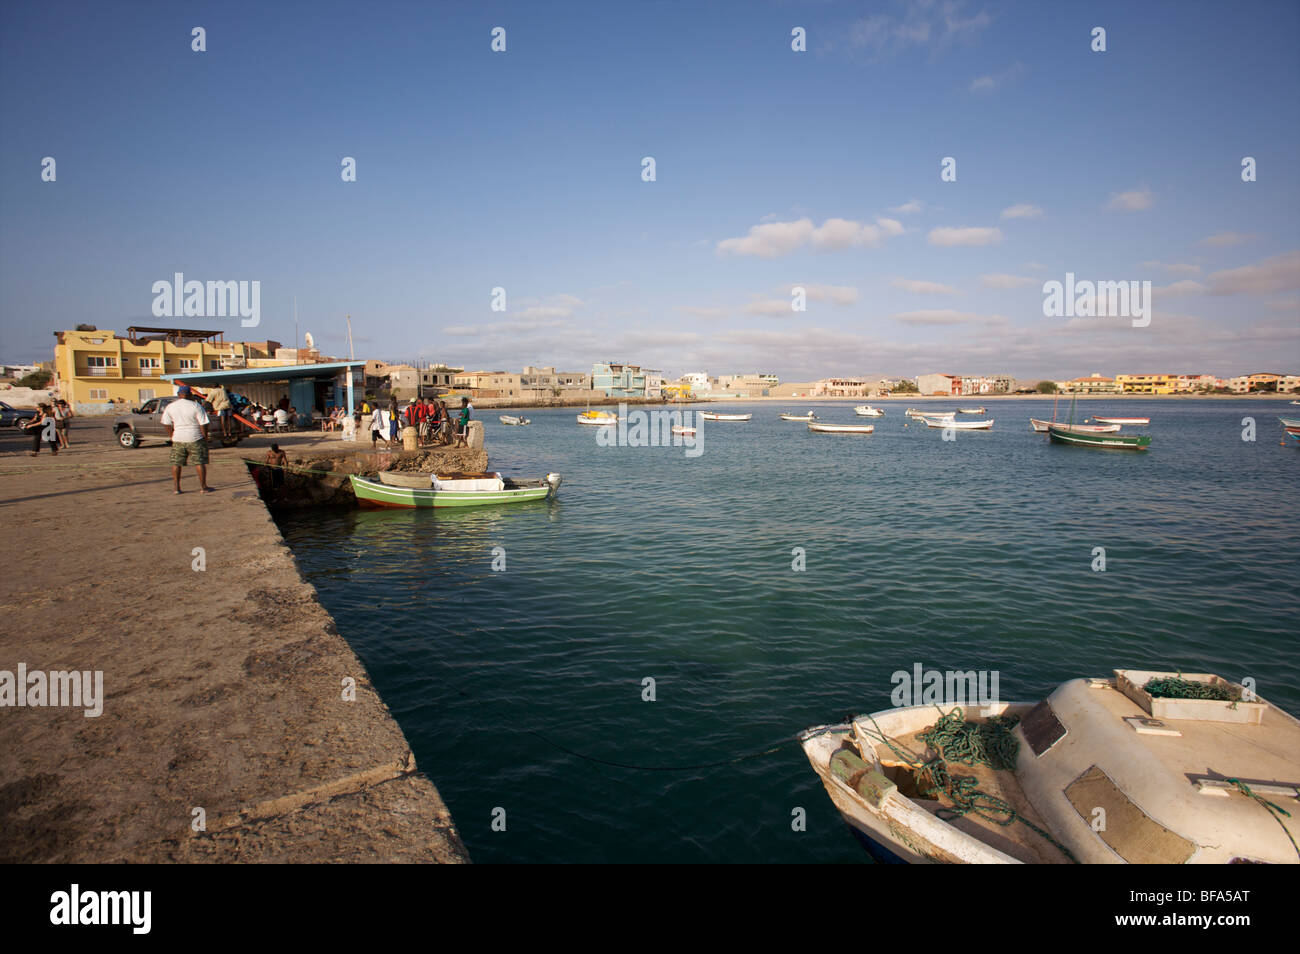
point(777, 579)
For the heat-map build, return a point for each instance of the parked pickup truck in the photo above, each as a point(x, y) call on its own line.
point(145, 423)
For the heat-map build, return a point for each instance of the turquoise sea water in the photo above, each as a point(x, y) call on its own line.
point(516, 687)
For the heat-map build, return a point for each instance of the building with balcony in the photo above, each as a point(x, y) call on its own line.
point(94, 369)
point(1264, 381)
point(842, 388)
point(618, 380)
point(1093, 384)
point(1146, 383)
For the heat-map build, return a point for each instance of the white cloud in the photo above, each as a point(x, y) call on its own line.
point(1224, 239)
point(1002, 280)
point(912, 25)
point(1025, 210)
point(923, 288)
point(936, 316)
point(910, 207)
point(1177, 269)
point(1281, 273)
point(775, 239)
point(1135, 200)
point(1185, 287)
point(946, 236)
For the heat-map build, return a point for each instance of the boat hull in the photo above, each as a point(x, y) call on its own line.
point(1122, 420)
point(842, 428)
point(1099, 441)
point(725, 418)
point(371, 493)
point(1042, 426)
point(960, 425)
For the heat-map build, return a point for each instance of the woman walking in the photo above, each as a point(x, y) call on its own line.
point(42, 427)
point(62, 414)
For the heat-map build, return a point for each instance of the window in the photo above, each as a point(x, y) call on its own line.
point(146, 394)
point(149, 408)
point(189, 364)
point(214, 365)
point(100, 361)
point(99, 394)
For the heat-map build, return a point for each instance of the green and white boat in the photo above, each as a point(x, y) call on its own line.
point(1063, 434)
point(450, 490)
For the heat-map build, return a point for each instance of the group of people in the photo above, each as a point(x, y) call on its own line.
point(434, 423)
point(49, 425)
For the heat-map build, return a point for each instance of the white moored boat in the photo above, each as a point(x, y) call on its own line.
point(974, 410)
point(810, 416)
point(715, 416)
point(1122, 420)
point(1177, 777)
point(516, 421)
point(1042, 426)
point(842, 428)
point(959, 425)
point(916, 415)
point(683, 430)
point(866, 410)
point(598, 418)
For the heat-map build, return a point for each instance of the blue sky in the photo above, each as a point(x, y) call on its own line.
point(774, 168)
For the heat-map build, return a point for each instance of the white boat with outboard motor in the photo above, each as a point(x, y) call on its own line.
point(866, 410)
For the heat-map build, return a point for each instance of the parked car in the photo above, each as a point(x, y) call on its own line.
point(10, 415)
point(145, 423)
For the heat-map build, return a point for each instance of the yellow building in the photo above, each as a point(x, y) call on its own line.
point(101, 367)
point(1094, 384)
point(1147, 383)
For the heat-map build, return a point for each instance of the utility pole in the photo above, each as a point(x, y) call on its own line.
point(351, 356)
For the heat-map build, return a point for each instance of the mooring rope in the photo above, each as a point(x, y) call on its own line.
point(1275, 810)
point(989, 743)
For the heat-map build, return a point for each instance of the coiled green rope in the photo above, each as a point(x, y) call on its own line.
point(990, 743)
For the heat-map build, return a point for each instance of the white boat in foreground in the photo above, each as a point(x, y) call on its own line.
point(1122, 420)
point(974, 410)
point(683, 430)
point(597, 418)
point(715, 416)
point(515, 421)
point(1178, 780)
point(959, 425)
point(1042, 426)
point(866, 410)
point(810, 416)
point(842, 428)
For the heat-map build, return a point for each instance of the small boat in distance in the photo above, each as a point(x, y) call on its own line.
point(917, 414)
point(974, 410)
point(1122, 420)
point(841, 428)
point(960, 425)
point(954, 782)
point(407, 490)
point(1042, 426)
point(597, 418)
point(810, 416)
point(516, 421)
point(866, 410)
point(715, 416)
point(1061, 434)
point(683, 430)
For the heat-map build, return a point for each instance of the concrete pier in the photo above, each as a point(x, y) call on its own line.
point(236, 724)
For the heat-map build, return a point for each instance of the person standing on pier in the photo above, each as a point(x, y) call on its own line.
point(187, 425)
point(221, 405)
point(462, 429)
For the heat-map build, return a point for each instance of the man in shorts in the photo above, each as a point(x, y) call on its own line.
point(221, 405)
point(187, 424)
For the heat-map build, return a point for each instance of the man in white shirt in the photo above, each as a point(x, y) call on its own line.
point(187, 424)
